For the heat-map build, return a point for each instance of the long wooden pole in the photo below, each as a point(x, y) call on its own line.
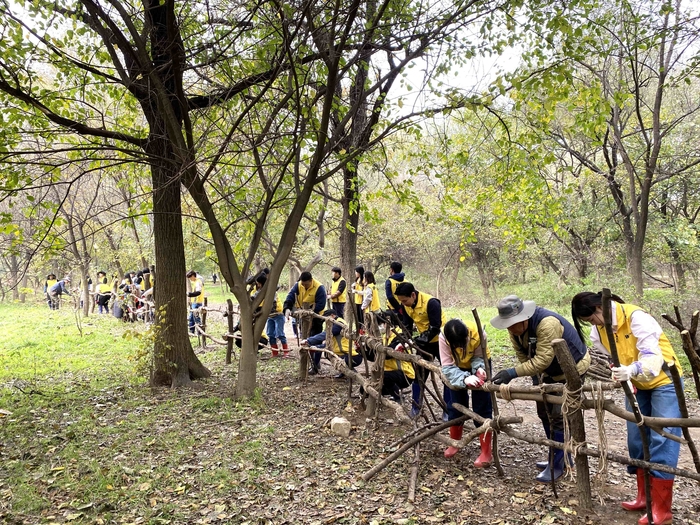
point(494, 402)
point(607, 319)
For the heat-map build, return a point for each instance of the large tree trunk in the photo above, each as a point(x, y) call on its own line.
point(175, 363)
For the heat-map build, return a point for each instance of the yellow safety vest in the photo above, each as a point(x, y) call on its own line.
point(358, 296)
point(305, 296)
point(334, 289)
point(374, 306)
point(200, 297)
point(104, 288)
point(394, 284)
point(626, 344)
point(463, 358)
point(50, 283)
point(341, 345)
point(419, 314)
point(391, 364)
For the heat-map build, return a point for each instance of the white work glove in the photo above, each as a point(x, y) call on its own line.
point(623, 373)
point(399, 347)
point(481, 374)
point(287, 314)
point(473, 381)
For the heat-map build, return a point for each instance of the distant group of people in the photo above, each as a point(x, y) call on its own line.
point(129, 291)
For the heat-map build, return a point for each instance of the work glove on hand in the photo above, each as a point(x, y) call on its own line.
point(287, 314)
point(399, 348)
point(504, 376)
point(481, 374)
point(473, 381)
point(624, 373)
point(423, 339)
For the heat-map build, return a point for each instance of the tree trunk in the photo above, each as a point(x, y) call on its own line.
point(350, 220)
point(14, 277)
point(175, 363)
point(23, 295)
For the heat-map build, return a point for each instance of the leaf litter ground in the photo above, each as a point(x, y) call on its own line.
point(106, 451)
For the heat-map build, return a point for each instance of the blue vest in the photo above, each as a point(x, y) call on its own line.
point(576, 347)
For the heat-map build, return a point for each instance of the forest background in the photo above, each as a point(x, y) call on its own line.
point(229, 137)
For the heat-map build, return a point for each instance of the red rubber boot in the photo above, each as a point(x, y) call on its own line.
point(486, 457)
point(661, 496)
point(640, 503)
point(275, 352)
point(456, 434)
point(285, 351)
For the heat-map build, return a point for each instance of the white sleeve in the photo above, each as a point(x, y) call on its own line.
point(648, 332)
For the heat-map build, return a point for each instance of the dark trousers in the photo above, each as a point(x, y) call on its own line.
point(339, 308)
point(549, 413)
point(481, 403)
point(360, 314)
point(394, 382)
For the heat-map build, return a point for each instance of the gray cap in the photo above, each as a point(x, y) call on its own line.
point(512, 310)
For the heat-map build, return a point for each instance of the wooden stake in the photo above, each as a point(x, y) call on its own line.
point(576, 424)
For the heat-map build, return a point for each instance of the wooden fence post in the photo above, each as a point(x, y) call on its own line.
point(575, 417)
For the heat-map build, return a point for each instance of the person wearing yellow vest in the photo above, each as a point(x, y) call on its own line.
point(370, 295)
point(196, 296)
point(338, 294)
point(275, 322)
point(396, 277)
point(397, 374)
point(307, 291)
point(104, 293)
point(357, 290)
point(48, 284)
point(462, 361)
point(339, 344)
point(424, 312)
point(644, 350)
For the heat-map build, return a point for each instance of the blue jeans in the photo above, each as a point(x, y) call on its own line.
point(275, 330)
point(658, 402)
point(194, 319)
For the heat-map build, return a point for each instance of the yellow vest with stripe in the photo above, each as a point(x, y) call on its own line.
point(334, 289)
point(394, 284)
point(341, 345)
point(627, 351)
point(200, 297)
point(358, 296)
point(419, 314)
point(463, 358)
point(305, 296)
point(375, 305)
point(391, 364)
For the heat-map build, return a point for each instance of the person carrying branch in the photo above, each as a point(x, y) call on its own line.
point(462, 363)
point(532, 330)
point(643, 350)
point(339, 293)
point(425, 313)
point(57, 290)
